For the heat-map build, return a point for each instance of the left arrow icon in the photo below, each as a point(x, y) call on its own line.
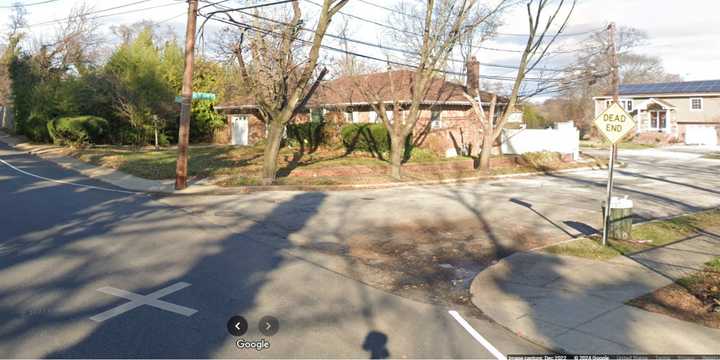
point(237, 325)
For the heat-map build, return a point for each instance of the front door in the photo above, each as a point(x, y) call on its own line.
point(239, 130)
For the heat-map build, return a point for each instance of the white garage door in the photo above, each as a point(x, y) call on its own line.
point(701, 135)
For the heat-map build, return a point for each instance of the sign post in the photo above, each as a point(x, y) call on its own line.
point(614, 123)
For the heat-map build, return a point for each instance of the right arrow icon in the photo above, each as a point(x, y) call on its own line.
point(269, 325)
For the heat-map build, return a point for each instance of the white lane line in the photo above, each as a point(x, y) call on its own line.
point(137, 300)
point(476, 335)
point(66, 182)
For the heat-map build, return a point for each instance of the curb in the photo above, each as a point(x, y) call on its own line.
point(534, 340)
point(166, 187)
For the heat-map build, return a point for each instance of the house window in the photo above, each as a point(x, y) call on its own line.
point(435, 120)
point(316, 115)
point(658, 120)
point(372, 117)
point(350, 116)
point(696, 104)
point(627, 104)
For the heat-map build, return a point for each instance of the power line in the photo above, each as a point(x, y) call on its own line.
point(369, 57)
point(26, 5)
point(49, 22)
point(416, 34)
point(418, 17)
point(379, 46)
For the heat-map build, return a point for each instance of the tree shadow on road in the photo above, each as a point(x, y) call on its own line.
point(225, 282)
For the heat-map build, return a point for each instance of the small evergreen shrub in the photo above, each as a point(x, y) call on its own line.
point(36, 128)
point(372, 138)
point(78, 130)
point(309, 135)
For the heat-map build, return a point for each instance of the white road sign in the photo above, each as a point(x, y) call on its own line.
point(614, 123)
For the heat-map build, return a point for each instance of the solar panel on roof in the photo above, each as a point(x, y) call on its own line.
point(672, 87)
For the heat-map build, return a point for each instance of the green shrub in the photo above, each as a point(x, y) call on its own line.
point(309, 135)
point(36, 128)
point(78, 130)
point(372, 138)
point(205, 120)
point(540, 159)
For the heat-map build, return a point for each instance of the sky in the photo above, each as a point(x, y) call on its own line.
point(681, 33)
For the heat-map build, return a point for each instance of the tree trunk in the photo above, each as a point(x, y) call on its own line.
point(272, 149)
point(486, 146)
point(397, 150)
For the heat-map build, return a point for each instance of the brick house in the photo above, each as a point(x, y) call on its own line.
point(670, 110)
point(446, 124)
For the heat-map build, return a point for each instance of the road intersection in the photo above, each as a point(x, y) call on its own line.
point(266, 254)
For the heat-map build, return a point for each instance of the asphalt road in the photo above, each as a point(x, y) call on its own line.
point(68, 253)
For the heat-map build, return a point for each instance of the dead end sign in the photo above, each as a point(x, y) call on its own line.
point(614, 123)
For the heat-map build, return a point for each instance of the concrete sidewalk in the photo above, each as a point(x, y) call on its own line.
point(577, 305)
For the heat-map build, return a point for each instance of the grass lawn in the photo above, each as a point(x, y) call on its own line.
point(595, 144)
point(694, 298)
point(239, 166)
point(645, 236)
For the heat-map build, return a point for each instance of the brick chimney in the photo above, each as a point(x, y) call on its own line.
point(472, 80)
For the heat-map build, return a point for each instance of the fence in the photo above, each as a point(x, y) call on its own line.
point(565, 139)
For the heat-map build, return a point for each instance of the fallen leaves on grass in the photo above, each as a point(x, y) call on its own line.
point(694, 298)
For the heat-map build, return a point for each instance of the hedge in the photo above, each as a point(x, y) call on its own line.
point(373, 138)
point(78, 130)
point(309, 134)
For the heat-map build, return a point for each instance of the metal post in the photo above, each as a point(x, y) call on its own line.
point(606, 215)
point(185, 107)
point(613, 149)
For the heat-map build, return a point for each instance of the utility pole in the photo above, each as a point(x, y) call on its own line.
point(186, 104)
point(615, 83)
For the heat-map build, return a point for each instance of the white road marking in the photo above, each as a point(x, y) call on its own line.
point(137, 300)
point(476, 335)
point(66, 182)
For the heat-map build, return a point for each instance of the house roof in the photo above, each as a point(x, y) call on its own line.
point(679, 87)
point(388, 86)
point(660, 102)
point(381, 86)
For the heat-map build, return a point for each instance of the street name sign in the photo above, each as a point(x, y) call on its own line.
point(198, 96)
point(614, 123)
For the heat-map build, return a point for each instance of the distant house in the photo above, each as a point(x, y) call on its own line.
point(672, 109)
point(446, 123)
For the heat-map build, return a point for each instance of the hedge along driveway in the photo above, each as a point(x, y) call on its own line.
point(236, 166)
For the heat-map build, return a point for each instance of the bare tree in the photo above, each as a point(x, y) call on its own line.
point(75, 44)
point(540, 39)
point(589, 75)
point(430, 32)
point(278, 72)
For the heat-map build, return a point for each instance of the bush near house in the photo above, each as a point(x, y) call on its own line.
point(371, 138)
point(78, 130)
point(308, 135)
